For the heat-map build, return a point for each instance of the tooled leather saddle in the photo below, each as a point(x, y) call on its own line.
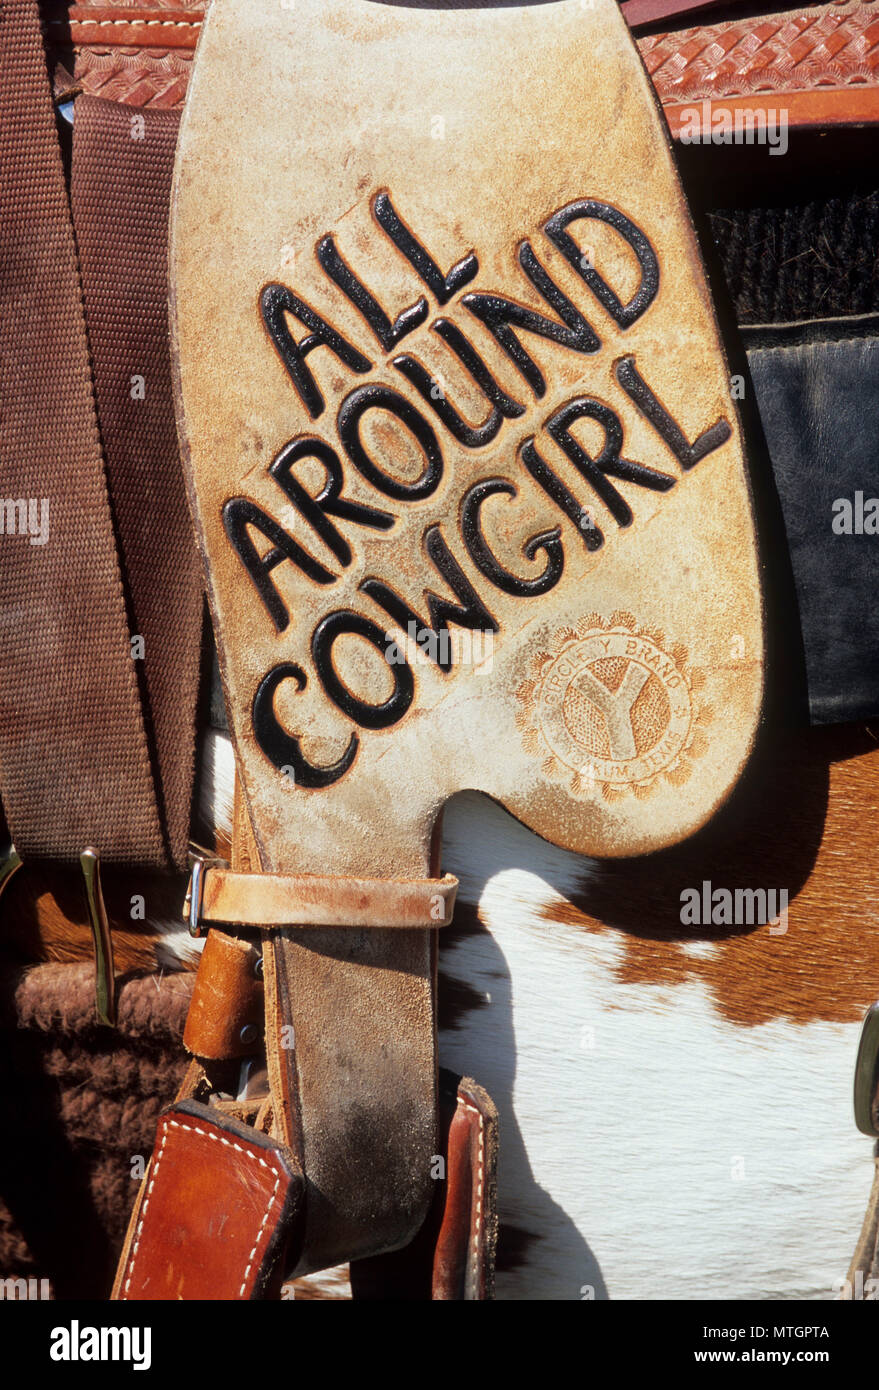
point(464, 456)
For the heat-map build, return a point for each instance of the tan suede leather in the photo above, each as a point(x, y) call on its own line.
point(308, 900)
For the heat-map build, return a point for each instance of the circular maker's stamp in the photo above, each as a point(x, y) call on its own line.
point(614, 709)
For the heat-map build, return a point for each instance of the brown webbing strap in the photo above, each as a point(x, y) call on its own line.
point(73, 753)
point(121, 225)
point(75, 766)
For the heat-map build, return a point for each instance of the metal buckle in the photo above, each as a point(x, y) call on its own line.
point(105, 975)
point(865, 1073)
point(200, 860)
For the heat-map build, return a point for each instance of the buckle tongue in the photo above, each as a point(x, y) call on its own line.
point(199, 862)
point(105, 976)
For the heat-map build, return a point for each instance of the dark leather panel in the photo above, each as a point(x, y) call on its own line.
point(819, 404)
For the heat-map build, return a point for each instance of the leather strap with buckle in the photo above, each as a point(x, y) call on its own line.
point(272, 901)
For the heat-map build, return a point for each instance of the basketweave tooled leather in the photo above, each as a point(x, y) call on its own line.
point(824, 58)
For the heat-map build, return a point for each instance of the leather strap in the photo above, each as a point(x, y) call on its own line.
point(74, 763)
point(452, 1257)
point(122, 235)
point(463, 1262)
point(127, 25)
point(225, 1017)
point(351, 1054)
point(309, 900)
point(97, 717)
point(641, 12)
point(230, 1233)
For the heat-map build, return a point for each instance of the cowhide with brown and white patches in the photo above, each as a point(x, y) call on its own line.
point(675, 1098)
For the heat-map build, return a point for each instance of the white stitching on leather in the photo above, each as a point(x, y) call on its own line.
point(217, 1139)
point(126, 23)
point(150, 1185)
point(479, 1187)
point(817, 342)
